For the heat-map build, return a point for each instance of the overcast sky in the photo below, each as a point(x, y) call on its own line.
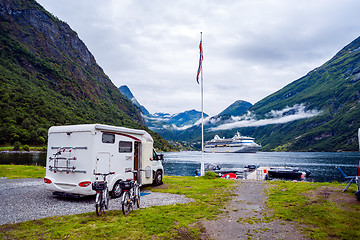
point(252, 48)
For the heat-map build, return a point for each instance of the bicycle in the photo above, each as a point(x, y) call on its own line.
point(131, 194)
point(102, 193)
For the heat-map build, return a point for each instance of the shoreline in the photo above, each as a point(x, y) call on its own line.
point(10, 151)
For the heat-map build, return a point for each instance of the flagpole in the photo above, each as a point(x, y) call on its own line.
point(202, 118)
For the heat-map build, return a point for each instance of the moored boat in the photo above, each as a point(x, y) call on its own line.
point(287, 173)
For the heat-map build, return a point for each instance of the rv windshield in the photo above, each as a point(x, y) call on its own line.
point(157, 156)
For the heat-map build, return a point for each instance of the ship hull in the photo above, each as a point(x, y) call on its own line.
point(228, 149)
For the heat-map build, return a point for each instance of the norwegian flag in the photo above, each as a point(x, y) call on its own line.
point(200, 61)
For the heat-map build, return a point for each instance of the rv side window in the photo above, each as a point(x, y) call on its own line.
point(108, 138)
point(125, 147)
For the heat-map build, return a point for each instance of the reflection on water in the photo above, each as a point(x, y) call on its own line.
point(23, 158)
point(321, 164)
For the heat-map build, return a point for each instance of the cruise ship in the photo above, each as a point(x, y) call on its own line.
point(236, 144)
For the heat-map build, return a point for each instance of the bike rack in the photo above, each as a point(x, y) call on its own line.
point(58, 156)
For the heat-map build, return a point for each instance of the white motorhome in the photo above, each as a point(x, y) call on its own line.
point(75, 152)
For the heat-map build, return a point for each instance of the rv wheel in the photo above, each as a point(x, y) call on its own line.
point(116, 192)
point(158, 178)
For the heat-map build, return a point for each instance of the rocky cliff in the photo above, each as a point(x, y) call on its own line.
point(49, 77)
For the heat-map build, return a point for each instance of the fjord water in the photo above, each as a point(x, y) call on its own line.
point(23, 158)
point(321, 164)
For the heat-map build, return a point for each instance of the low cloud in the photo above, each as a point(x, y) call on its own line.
point(207, 120)
point(285, 115)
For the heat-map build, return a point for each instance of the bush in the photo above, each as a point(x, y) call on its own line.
point(41, 140)
point(16, 146)
point(210, 175)
point(26, 148)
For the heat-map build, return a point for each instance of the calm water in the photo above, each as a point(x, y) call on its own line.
point(322, 165)
point(23, 158)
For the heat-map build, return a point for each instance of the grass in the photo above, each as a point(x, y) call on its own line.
point(322, 208)
point(158, 222)
point(21, 171)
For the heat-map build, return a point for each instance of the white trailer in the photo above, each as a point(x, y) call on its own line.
point(75, 152)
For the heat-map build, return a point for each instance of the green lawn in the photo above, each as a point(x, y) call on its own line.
point(165, 222)
point(21, 171)
point(324, 211)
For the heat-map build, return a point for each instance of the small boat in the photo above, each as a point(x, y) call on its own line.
point(230, 176)
point(287, 173)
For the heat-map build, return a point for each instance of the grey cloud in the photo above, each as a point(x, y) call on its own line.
point(251, 47)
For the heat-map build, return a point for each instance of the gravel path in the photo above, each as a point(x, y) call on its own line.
point(26, 199)
point(244, 217)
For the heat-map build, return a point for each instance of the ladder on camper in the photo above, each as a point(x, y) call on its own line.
point(63, 155)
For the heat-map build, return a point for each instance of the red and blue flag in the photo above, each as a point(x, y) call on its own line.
point(200, 61)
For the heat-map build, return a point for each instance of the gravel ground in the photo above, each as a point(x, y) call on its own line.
point(244, 217)
point(26, 199)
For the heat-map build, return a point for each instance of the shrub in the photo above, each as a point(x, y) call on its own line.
point(41, 140)
point(26, 148)
point(210, 175)
point(16, 146)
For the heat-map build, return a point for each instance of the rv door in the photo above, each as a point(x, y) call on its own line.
point(146, 173)
point(102, 162)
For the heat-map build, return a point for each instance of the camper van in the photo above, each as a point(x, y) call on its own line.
point(76, 152)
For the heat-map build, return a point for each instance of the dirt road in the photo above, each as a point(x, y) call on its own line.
point(245, 217)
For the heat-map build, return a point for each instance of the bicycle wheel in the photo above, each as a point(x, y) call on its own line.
point(99, 204)
point(106, 200)
point(126, 203)
point(137, 196)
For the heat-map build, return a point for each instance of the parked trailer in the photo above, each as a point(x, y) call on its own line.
point(76, 152)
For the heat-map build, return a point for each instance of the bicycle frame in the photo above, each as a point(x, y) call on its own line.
point(130, 195)
point(102, 193)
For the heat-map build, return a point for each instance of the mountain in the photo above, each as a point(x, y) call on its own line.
point(238, 108)
point(49, 77)
point(318, 112)
point(171, 127)
point(164, 122)
point(188, 117)
point(127, 93)
point(179, 121)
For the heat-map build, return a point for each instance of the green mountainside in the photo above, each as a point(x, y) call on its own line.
point(238, 108)
point(334, 90)
point(49, 77)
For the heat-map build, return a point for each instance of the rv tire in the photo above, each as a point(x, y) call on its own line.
point(158, 178)
point(116, 191)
